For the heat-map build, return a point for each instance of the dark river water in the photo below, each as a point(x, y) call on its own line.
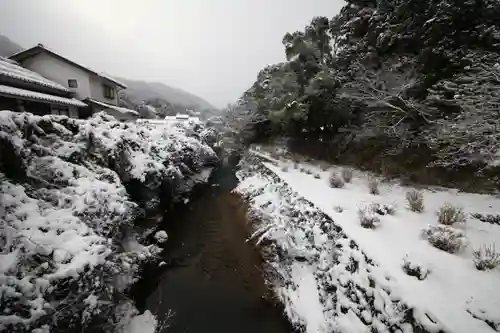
point(212, 281)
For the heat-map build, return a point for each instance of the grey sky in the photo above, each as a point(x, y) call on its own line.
point(212, 48)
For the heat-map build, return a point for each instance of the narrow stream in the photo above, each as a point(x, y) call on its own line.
point(212, 281)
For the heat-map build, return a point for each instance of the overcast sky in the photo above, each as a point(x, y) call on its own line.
point(212, 48)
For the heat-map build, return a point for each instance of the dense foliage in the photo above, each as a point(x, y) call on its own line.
point(71, 192)
point(406, 73)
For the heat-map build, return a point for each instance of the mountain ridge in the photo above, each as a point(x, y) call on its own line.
point(142, 90)
point(8, 47)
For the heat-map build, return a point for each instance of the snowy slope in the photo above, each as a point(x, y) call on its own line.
point(326, 283)
point(455, 292)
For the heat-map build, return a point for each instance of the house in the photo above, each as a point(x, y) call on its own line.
point(97, 90)
point(26, 91)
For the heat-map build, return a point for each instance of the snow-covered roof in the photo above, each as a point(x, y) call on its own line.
point(182, 116)
point(41, 48)
point(10, 69)
point(33, 95)
point(113, 107)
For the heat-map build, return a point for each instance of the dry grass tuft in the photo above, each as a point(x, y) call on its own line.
point(373, 185)
point(335, 180)
point(449, 214)
point(367, 218)
point(347, 175)
point(415, 201)
point(486, 257)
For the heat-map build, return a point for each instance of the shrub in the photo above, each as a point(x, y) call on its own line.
point(487, 218)
point(383, 209)
point(449, 214)
point(347, 175)
point(317, 176)
point(308, 172)
point(367, 218)
point(284, 168)
point(486, 258)
point(415, 201)
point(416, 270)
point(373, 186)
point(444, 237)
point(335, 180)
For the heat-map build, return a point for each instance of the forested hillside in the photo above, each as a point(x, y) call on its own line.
point(412, 79)
point(167, 100)
point(8, 47)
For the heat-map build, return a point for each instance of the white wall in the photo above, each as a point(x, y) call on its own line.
point(97, 90)
point(60, 71)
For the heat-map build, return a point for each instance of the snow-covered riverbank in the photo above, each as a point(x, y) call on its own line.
point(70, 190)
point(334, 275)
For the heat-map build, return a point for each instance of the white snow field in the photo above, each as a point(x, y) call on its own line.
point(453, 297)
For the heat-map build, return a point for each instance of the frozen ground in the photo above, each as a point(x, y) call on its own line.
point(318, 268)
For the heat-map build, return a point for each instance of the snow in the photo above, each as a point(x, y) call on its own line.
point(17, 92)
point(114, 107)
point(144, 323)
point(454, 292)
point(161, 236)
point(12, 70)
point(305, 298)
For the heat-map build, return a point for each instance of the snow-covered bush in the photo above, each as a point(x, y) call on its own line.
point(382, 209)
point(335, 180)
point(67, 192)
point(317, 176)
point(368, 218)
point(284, 168)
point(449, 214)
point(487, 218)
point(444, 237)
point(415, 201)
point(486, 257)
point(209, 136)
point(414, 269)
point(347, 174)
point(161, 236)
point(373, 185)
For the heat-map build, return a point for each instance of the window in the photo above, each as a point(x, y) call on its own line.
point(60, 110)
point(72, 83)
point(109, 92)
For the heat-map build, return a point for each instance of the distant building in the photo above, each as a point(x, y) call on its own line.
point(97, 90)
point(26, 91)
